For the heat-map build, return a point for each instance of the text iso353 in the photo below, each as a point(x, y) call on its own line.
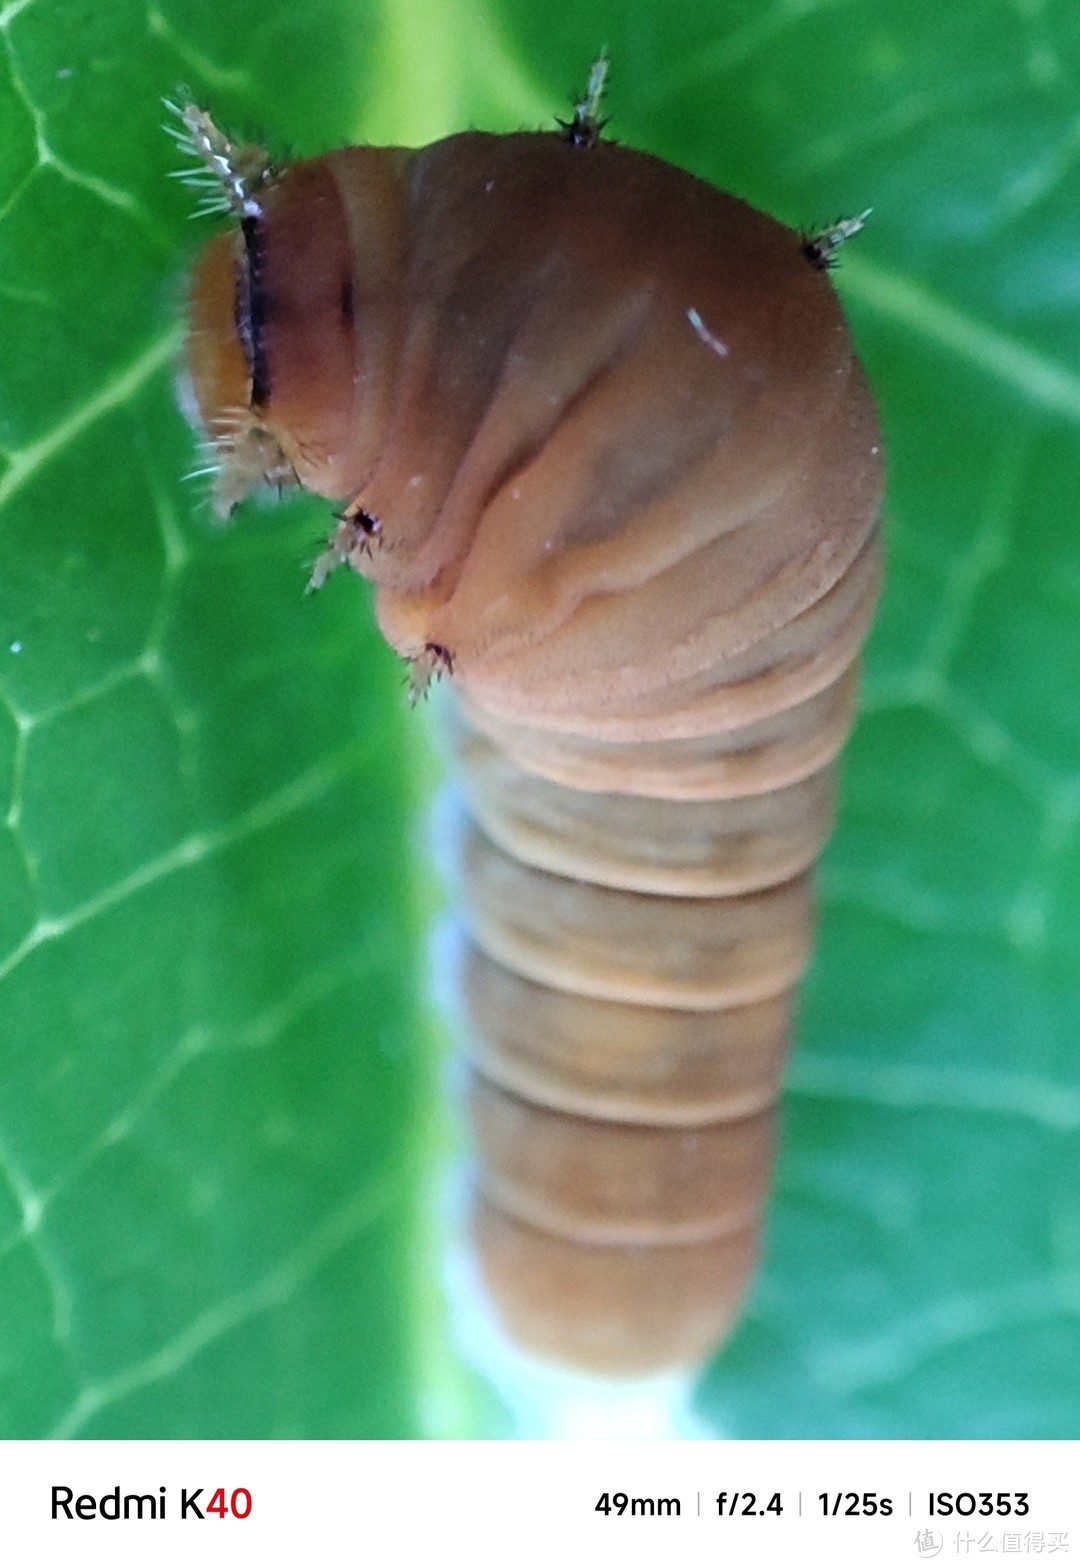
point(965, 1504)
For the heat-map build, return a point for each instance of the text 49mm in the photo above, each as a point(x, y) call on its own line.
point(639, 1507)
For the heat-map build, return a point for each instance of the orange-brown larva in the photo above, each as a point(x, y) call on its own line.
point(598, 436)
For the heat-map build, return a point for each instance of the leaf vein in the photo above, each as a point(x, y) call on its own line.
point(119, 389)
point(275, 1288)
point(909, 303)
point(193, 850)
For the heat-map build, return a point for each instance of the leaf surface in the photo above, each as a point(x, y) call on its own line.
point(216, 1103)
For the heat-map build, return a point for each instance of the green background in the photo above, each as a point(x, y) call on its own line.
point(220, 1099)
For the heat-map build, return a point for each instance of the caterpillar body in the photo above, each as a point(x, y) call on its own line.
point(600, 440)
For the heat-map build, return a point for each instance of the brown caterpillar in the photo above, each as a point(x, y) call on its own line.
point(599, 438)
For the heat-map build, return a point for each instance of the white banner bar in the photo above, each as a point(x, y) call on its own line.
point(522, 1503)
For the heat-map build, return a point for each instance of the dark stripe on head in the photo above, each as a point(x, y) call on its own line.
point(251, 310)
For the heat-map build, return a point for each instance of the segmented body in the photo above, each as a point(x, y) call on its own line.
point(605, 450)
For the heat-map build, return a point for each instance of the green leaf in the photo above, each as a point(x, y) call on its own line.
point(213, 1059)
point(219, 1118)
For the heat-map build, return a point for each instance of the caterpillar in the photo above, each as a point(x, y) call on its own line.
point(597, 433)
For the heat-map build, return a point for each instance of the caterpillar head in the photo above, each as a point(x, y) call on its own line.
point(270, 366)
